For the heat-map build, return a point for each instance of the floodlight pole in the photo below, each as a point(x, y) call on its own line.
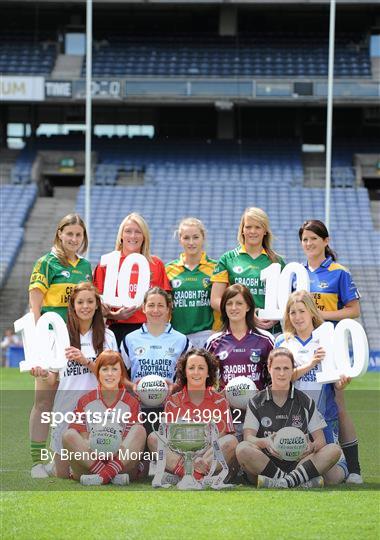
point(87, 200)
point(330, 90)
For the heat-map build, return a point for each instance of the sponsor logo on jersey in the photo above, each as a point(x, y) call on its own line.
point(237, 269)
point(222, 355)
point(323, 285)
point(266, 421)
point(255, 356)
point(296, 420)
point(170, 351)
point(205, 282)
point(139, 351)
point(65, 273)
point(176, 283)
point(281, 417)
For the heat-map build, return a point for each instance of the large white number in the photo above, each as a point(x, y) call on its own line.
point(38, 340)
point(119, 280)
point(336, 344)
point(278, 286)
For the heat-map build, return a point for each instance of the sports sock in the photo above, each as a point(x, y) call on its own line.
point(351, 453)
point(301, 474)
point(272, 471)
point(113, 467)
point(35, 451)
point(96, 467)
point(179, 469)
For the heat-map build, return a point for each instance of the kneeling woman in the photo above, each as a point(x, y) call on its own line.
point(89, 465)
point(281, 405)
point(198, 402)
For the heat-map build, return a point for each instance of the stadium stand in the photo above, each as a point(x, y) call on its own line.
point(16, 202)
point(20, 54)
point(207, 55)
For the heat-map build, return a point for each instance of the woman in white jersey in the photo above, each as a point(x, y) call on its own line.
point(88, 338)
point(301, 318)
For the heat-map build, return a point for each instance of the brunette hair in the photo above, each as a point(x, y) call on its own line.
point(280, 351)
point(97, 325)
point(257, 214)
point(70, 219)
point(140, 221)
point(232, 291)
point(211, 361)
point(110, 358)
point(320, 229)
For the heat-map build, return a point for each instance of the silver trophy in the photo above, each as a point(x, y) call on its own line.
point(189, 440)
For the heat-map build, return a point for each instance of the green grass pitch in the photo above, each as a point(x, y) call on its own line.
point(52, 508)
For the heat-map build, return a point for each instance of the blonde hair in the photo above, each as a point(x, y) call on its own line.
point(257, 214)
point(140, 221)
point(308, 301)
point(191, 222)
point(70, 219)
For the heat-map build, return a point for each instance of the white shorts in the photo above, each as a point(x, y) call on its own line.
point(198, 339)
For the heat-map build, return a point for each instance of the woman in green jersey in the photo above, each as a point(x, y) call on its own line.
point(189, 277)
point(53, 278)
point(244, 263)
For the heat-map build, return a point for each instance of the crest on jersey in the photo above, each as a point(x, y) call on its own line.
point(176, 283)
point(222, 355)
point(139, 351)
point(170, 351)
point(255, 356)
point(323, 285)
point(237, 269)
point(266, 421)
point(296, 421)
point(65, 273)
point(205, 282)
point(88, 277)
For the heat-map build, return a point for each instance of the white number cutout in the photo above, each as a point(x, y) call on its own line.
point(119, 280)
point(336, 344)
point(38, 341)
point(278, 286)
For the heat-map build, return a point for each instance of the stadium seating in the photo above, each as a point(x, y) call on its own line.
point(247, 55)
point(21, 54)
point(16, 202)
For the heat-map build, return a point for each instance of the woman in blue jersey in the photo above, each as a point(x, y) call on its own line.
point(53, 278)
point(336, 297)
point(301, 318)
point(244, 263)
point(189, 277)
point(88, 338)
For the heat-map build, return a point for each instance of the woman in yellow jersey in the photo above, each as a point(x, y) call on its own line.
point(189, 277)
point(53, 278)
point(244, 263)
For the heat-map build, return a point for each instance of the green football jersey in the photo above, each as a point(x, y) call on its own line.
point(237, 266)
point(56, 281)
point(191, 290)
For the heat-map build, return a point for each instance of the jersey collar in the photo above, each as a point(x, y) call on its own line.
point(324, 264)
point(304, 342)
point(243, 249)
point(119, 396)
point(206, 397)
point(144, 328)
point(269, 395)
point(203, 259)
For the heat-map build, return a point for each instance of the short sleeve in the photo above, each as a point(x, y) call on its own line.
point(316, 419)
point(251, 421)
point(220, 274)
point(226, 423)
point(79, 425)
point(41, 277)
point(99, 277)
point(124, 351)
point(347, 288)
point(110, 341)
